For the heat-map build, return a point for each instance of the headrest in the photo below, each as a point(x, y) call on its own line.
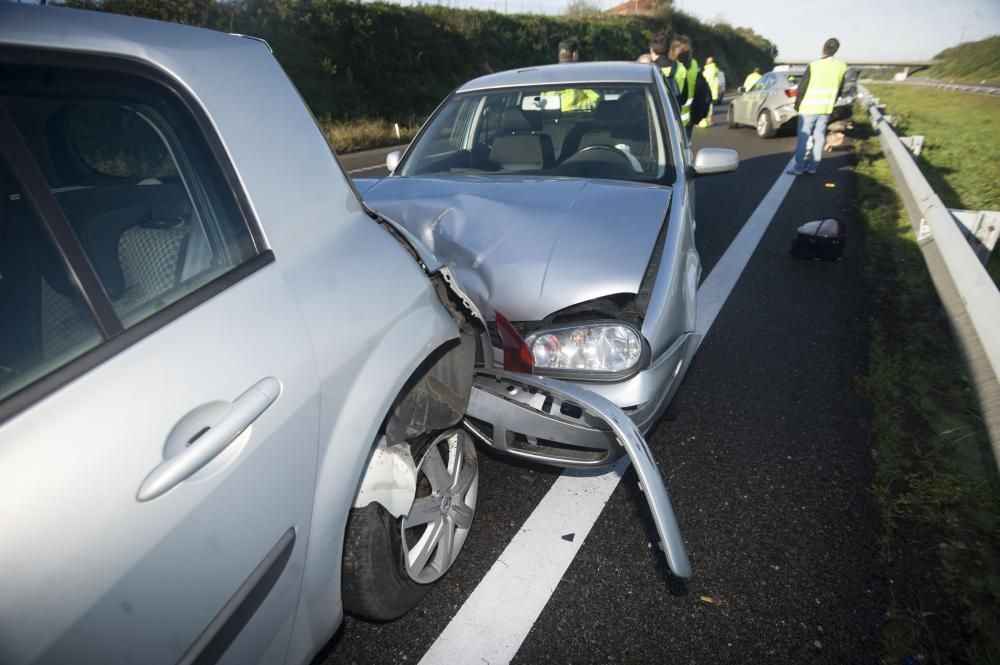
point(518, 151)
point(516, 120)
point(100, 236)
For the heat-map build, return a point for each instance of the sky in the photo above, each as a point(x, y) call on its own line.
point(867, 29)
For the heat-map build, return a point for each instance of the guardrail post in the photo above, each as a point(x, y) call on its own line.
point(981, 228)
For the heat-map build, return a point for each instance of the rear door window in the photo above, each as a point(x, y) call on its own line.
point(138, 192)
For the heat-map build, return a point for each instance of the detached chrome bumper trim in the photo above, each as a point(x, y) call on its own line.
point(490, 404)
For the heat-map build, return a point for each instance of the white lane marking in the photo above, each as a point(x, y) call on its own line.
point(497, 616)
point(367, 168)
point(720, 282)
point(495, 619)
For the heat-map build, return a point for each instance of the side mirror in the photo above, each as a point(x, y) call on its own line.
point(392, 160)
point(740, 90)
point(710, 161)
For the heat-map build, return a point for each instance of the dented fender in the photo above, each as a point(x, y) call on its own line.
point(495, 393)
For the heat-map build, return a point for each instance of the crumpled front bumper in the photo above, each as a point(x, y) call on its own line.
point(537, 417)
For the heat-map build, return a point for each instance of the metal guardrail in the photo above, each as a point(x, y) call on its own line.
point(970, 298)
point(988, 90)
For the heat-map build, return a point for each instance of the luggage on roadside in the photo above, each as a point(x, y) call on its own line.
point(820, 239)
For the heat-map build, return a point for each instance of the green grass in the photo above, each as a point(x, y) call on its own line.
point(974, 62)
point(961, 154)
point(936, 481)
point(363, 134)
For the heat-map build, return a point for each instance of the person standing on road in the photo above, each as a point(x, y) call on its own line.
point(816, 96)
point(569, 50)
point(751, 79)
point(574, 99)
point(659, 51)
point(685, 74)
point(711, 73)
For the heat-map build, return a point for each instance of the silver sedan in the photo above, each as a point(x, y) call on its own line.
point(770, 104)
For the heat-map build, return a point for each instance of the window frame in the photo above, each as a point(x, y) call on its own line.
point(51, 217)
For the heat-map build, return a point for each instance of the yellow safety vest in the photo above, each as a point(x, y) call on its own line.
point(681, 77)
point(577, 99)
point(712, 76)
point(750, 80)
point(825, 78)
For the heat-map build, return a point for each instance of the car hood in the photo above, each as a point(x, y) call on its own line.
point(527, 246)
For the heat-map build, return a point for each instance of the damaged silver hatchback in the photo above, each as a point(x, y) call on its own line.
point(563, 197)
point(233, 399)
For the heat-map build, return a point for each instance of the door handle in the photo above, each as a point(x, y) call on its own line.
point(213, 429)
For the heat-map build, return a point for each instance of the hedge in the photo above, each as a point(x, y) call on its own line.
point(353, 60)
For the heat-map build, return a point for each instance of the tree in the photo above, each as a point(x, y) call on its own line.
point(582, 8)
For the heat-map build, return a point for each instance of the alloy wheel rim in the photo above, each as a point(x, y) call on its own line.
point(435, 529)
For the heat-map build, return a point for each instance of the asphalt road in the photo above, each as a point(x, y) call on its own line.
point(368, 163)
point(765, 452)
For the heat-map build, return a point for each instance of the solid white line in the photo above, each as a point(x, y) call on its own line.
point(497, 616)
point(719, 284)
point(495, 619)
point(367, 168)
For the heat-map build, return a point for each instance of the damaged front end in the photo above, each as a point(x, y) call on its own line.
point(546, 412)
point(537, 418)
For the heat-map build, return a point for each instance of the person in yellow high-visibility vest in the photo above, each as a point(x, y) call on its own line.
point(574, 99)
point(711, 74)
point(816, 96)
point(659, 55)
point(685, 75)
point(751, 79)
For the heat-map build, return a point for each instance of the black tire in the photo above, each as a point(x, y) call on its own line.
point(375, 583)
point(731, 118)
point(765, 125)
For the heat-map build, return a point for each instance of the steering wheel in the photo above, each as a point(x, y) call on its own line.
point(603, 146)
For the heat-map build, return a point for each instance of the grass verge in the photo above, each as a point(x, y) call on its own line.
point(972, 62)
point(961, 154)
point(936, 481)
point(366, 133)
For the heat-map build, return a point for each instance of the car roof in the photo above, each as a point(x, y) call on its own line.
point(564, 74)
point(88, 31)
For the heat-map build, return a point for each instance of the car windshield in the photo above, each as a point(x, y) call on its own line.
point(588, 131)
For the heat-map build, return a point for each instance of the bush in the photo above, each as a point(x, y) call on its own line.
point(353, 60)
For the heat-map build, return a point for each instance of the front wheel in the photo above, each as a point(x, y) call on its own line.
point(389, 563)
point(731, 117)
point(765, 125)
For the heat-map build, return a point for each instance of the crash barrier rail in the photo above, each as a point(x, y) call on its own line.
point(970, 298)
point(988, 90)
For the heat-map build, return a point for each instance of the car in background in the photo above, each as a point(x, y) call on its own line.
point(770, 104)
point(232, 398)
point(563, 197)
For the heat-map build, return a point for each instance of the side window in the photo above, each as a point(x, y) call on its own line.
point(765, 83)
point(145, 198)
point(43, 320)
point(114, 140)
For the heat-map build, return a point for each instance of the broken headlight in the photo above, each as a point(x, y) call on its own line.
point(603, 350)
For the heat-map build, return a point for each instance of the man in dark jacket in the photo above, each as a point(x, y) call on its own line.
point(659, 48)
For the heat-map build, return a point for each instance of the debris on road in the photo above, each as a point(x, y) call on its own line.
point(709, 600)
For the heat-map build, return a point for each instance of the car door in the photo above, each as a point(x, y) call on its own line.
point(752, 101)
point(158, 396)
